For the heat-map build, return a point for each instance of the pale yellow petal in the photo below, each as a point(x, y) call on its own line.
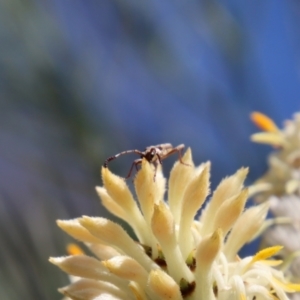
point(119, 211)
point(114, 235)
point(118, 190)
point(272, 263)
point(287, 286)
point(246, 227)
point(127, 268)
point(288, 260)
point(81, 265)
point(160, 183)
point(110, 204)
point(228, 188)
point(208, 249)
point(103, 252)
point(270, 138)
point(77, 231)
point(163, 227)
point(90, 289)
point(259, 187)
point(162, 223)
point(149, 188)
point(206, 253)
point(195, 194)
point(138, 291)
point(163, 286)
point(180, 177)
point(146, 188)
point(292, 186)
point(229, 211)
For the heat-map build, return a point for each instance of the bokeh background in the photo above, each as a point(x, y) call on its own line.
point(81, 80)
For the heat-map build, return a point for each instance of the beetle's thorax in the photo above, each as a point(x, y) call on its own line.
point(152, 153)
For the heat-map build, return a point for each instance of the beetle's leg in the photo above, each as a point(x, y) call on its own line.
point(135, 163)
point(178, 150)
point(166, 146)
point(159, 158)
point(155, 169)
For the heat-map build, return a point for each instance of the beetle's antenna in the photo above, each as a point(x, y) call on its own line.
point(119, 154)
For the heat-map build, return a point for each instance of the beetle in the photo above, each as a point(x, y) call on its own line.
point(153, 154)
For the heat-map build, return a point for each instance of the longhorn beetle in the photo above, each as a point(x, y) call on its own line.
point(153, 154)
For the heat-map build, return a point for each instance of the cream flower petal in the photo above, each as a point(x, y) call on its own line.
point(92, 289)
point(77, 231)
point(163, 227)
point(107, 297)
point(206, 253)
point(179, 179)
point(195, 194)
point(120, 193)
point(116, 236)
point(229, 211)
point(111, 205)
point(271, 138)
point(163, 286)
point(103, 252)
point(150, 191)
point(229, 187)
point(118, 211)
point(127, 268)
point(138, 291)
point(149, 185)
point(80, 265)
point(246, 227)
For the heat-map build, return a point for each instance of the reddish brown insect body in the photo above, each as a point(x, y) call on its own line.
point(153, 154)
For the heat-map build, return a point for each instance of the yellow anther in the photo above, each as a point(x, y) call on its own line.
point(263, 122)
point(74, 249)
point(266, 253)
point(287, 286)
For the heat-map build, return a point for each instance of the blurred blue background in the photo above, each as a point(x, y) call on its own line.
point(83, 80)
